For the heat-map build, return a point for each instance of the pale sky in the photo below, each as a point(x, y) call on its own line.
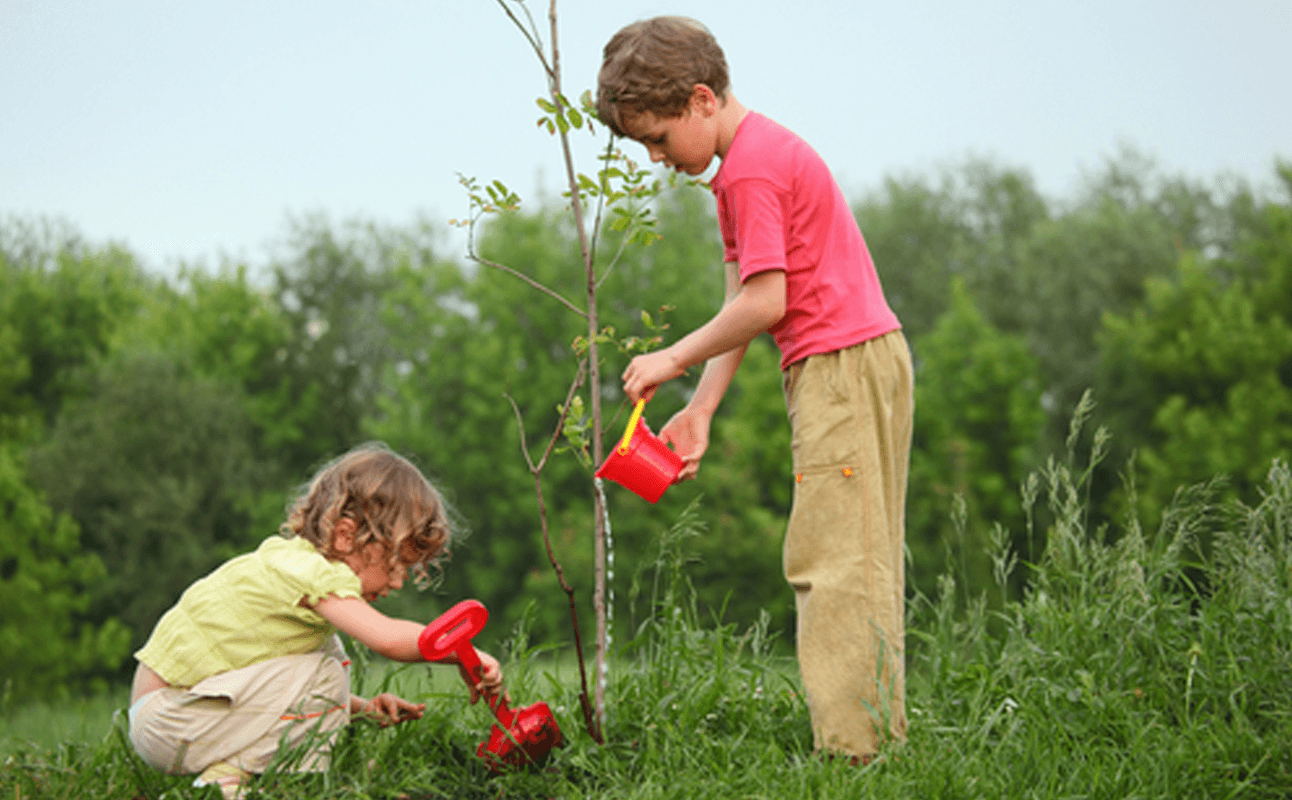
point(195, 131)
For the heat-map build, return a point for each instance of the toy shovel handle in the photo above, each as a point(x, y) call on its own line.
point(450, 634)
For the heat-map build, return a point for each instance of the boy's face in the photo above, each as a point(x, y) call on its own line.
point(686, 144)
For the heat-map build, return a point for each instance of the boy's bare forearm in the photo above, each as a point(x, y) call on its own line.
point(717, 376)
point(752, 309)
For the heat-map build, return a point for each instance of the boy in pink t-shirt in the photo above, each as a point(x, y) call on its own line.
point(796, 266)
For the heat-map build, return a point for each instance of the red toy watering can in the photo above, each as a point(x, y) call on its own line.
point(527, 734)
point(641, 462)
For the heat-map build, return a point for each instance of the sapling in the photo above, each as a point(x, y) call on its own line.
point(616, 198)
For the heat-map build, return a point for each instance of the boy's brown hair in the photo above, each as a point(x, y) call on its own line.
point(654, 65)
point(387, 498)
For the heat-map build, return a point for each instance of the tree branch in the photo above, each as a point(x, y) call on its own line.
point(517, 273)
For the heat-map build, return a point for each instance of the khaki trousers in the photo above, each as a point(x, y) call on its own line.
point(243, 716)
point(851, 414)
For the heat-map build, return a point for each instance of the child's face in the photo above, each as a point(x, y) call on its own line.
point(686, 144)
point(377, 578)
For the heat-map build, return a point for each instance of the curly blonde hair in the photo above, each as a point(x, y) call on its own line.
point(653, 66)
point(387, 498)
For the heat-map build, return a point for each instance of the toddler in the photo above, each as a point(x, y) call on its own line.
point(249, 659)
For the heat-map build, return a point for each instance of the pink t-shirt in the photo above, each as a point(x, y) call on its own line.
point(780, 208)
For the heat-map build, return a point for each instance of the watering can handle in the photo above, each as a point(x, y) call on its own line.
point(450, 634)
point(633, 419)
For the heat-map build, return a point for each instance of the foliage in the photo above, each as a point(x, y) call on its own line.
point(46, 583)
point(748, 481)
point(222, 330)
point(330, 292)
point(1042, 270)
point(969, 222)
point(978, 418)
point(61, 303)
point(154, 463)
point(466, 339)
point(1131, 226)
point(1203, 370)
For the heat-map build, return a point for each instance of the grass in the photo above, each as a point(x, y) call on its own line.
point(47, 725)
point(1130, 669)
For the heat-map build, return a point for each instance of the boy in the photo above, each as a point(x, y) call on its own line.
point(796, 265)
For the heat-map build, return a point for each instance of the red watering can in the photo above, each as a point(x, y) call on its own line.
point(521, 737)
point(641, 462)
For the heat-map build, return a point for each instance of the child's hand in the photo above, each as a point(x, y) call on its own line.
point(491, 684)
point(387, 709)
point(688, 432)
point(646, 372)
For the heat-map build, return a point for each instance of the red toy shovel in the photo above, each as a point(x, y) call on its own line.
point(527, 734)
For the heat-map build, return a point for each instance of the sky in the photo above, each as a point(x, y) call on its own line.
point(196, 133)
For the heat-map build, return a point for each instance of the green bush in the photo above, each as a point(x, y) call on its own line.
point(47, 581)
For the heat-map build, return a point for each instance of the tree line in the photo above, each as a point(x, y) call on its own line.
point(151, 427)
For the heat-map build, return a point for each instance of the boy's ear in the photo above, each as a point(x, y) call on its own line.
point(703, 100)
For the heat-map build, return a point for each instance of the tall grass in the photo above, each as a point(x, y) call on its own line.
point(1131, 667)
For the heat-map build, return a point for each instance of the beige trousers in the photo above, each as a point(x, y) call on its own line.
point(242, 717)
point(851, 414)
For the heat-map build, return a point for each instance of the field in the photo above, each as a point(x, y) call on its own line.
point(1137, 664)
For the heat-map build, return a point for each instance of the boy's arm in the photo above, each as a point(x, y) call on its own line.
point(688, 430)
point(750, 309)
point(758, 300)
point(720, 369)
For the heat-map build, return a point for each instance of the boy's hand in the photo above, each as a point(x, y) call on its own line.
point(688, 432)
point(647, 371)
point(491, 684)
point(387, 709)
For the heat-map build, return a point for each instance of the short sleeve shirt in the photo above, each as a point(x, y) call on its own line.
point(247, 611)
point(779, 208)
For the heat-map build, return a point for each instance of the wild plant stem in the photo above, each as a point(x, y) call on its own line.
point(536, 470)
